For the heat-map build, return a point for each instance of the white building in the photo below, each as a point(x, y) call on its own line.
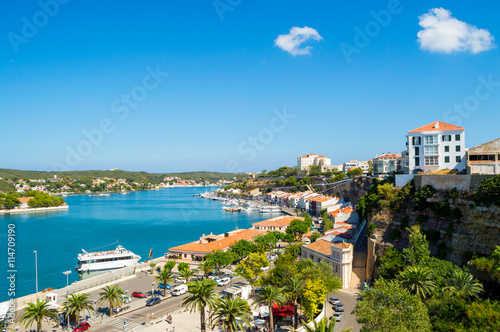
point(436, 146)
point(310, 159)
point(385, 165)
point(353, 164)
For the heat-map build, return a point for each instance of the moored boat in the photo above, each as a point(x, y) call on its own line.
point(105, 260)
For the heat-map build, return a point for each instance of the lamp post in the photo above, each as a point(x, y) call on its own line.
point(36, 274)
point(67, 273)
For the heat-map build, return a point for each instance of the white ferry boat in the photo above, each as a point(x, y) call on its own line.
point(269, 209)
point(105, 260)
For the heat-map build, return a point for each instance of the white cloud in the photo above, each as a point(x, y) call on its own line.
point(292, 42)
point(445, 34)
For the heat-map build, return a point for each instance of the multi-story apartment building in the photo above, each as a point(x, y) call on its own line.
point(310, 159)
point(436, 146)
point(385, 165)
point(353, 164)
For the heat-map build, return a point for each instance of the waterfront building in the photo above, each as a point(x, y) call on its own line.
point(304, 162)
point(436, 146)
point(322, 202)
point(197, 250)
point(24, 202)
point(304, 201)
point(338, 254)
point(254, 192)
point(385, 165)
point(484, 158)
point(279, 224)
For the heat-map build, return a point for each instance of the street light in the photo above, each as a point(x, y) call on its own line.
point(67, 273)
point(36, 274)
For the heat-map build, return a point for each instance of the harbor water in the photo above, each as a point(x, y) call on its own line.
point(140, 221)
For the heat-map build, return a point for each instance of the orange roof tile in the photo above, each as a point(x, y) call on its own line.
point(276, 222)
point(436, 126)
point(24, 199)
point(323, 246)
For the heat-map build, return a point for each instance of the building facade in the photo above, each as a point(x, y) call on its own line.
point(310, 159)
point(484, 158)
point(385, 165)
point(353, 164)
point(436, 146)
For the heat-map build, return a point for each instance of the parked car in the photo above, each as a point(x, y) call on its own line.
point(138, 294)
point(224, 282)
point(160, 285)
point(265, 268)
point(339, 307)
point(333, 300)
point(337, 316)
point(82, 327)
point(180, 280)
point(126, 299)
point(153, 301)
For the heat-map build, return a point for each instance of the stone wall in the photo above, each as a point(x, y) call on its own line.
point(467, 183)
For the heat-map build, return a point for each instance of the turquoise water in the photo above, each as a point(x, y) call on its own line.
point(141, 221)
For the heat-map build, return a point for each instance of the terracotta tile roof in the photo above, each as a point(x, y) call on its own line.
point(24, 199)
point(224, 243)
point(321, 246)
point(388, 155)
point(276, 222)
point(436, 126)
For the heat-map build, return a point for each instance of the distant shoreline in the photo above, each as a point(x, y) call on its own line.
point(30, 210)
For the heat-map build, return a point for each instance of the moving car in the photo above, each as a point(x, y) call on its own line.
point(333, 300)
point(82, 327)
point(153, 301)
point(339, 307)
point(179, 290)
point(138, 294)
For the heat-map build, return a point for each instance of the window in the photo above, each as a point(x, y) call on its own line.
point(417, 161)
point(458, 159)
point(431, 139)
point(446, 159)
point(446, 148)
point(416, 140)
point(457, 137)
point(429, 150)
point(482, 157)
point(417, 151)
point(457, 148)
point(446, 138)
point(431, 161)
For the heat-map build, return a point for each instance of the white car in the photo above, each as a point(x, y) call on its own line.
point(180, 280)
point(265, 268)
point(337, 316)
point(333, 300)
point(224, 282)
point(126, 299)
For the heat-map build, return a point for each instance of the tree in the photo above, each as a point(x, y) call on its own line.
point(370, 168)
point(392, 263)
point(315, 236)
point(111, 294)
point(324, 325)
point(488, 192)
point(314, 170)
point(291, 181)
point(182, 266)
point(354, 172)
point(187, 273)
point(464, 285)
point(234, 313)
point(37, 313)
point(298, 228)
point(243, 248)
point(327, 222)
point(206, 267)
point(201, 295)
point(76, 303)
point(250, 268)
point(418, 248)
point(387, 306)
point(221, 259)
point(270, 295)
point(152, 266)
point(278, 182)
point(418, 280)
point(169, 265)
point(165, 276)
point(293, 289)
point(313, 295)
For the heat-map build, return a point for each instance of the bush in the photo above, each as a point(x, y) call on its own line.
point(442, 209)
point(488, 192)
point(371, 228)
point(422, 195)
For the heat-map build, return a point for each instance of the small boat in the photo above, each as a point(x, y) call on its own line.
point(269, 209)
point(196, 195)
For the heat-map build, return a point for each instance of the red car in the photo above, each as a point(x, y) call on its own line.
point(138, 294)
point(82, 327)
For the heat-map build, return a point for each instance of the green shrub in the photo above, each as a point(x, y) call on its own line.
point(488, 192)
point(371, 228)
point(442, 209)
point(422, 195)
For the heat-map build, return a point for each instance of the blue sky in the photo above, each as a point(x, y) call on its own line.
point(70, 71)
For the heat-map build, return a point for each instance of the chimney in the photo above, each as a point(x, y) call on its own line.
point(437, 125)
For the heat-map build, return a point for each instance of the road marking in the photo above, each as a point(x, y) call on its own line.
point(117, 324)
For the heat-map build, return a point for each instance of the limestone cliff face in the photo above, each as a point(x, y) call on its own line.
point(477, 230)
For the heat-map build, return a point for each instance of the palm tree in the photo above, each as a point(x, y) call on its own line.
point(165, 276)
point(111, 294)
point(187, 273)
point(293, 288)
point(37, 312)
point(418, 280)
point(324, 325)
point(76, 303)
point(464, 284)
point(202, 295)
point(270, 295)
point(206, 267)
point(233, 313)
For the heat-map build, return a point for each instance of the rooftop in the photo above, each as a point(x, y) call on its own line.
point(277, 221)
point(324, 246)
point(437, 126)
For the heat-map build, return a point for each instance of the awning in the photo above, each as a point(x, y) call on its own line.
point(285, 310)
point(232, 290)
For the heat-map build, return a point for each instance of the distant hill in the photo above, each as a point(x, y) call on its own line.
point(118, 174)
